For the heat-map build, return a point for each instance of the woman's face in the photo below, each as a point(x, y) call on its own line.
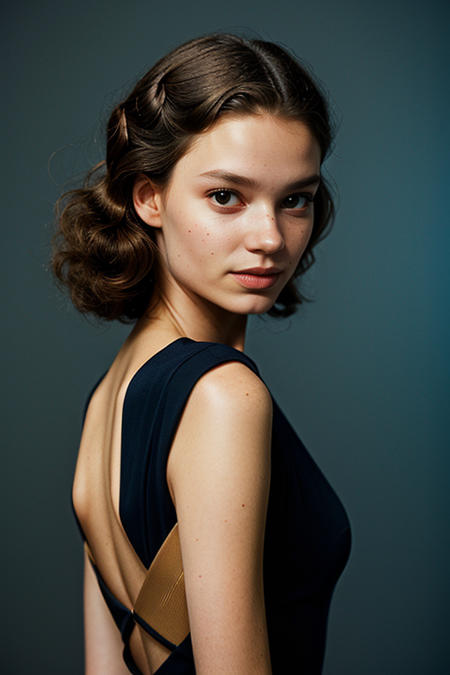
point(238, 213)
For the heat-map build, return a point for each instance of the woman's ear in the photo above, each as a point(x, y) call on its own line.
point(147, 201)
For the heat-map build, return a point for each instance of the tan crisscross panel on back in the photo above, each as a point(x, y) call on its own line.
point(161, 602)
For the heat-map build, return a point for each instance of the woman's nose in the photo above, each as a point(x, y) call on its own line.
point(264, 234)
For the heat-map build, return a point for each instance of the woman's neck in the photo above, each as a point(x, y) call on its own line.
point(205, 323)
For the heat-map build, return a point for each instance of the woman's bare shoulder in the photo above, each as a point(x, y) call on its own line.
point(231, 386)
point(224, 433)
point(231, 404)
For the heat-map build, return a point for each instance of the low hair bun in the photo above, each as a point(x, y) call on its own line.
point(103, 252)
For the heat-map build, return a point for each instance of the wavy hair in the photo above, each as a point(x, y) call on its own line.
point(103, 252)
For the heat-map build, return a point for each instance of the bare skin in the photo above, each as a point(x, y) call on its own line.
point(230, 209)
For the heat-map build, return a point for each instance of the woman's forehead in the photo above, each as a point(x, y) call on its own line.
point(252, 147)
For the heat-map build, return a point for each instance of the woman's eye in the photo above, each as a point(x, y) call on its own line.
point(300, 201)
point(225, 198)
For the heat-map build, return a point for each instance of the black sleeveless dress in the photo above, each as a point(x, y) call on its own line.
point(307, 539)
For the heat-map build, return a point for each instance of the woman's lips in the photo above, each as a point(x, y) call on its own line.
point(258, 277)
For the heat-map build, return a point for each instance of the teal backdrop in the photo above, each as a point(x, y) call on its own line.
point(362, 372)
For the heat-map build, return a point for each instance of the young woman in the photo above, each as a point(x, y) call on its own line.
point(206, 209)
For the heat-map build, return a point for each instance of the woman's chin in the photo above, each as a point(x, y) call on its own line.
point(258, 305)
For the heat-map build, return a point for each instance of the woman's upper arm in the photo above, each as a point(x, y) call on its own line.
point(103, 642)
point(219, 474)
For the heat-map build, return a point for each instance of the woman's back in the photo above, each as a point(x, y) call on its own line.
point(96, 495)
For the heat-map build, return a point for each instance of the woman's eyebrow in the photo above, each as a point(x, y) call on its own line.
point(236, 179)
point(230, 178)
point(305, 182)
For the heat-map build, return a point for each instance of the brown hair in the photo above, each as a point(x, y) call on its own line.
point(102, 250)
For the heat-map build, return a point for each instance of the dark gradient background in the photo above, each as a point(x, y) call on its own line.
point(362, 372)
